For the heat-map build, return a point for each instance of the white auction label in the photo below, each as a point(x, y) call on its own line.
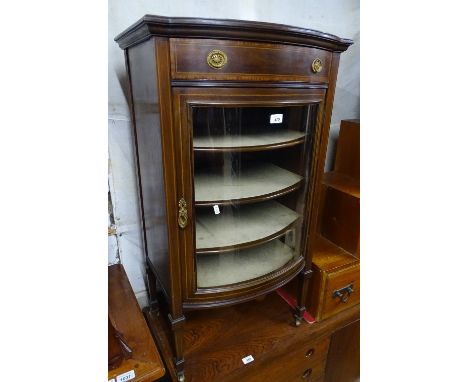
point(216, 209)
point(247, 359)
point(126, 376)
point(276, 118)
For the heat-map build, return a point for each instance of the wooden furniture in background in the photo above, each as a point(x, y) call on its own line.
point(218, 104)
point(347, 160)
point(335, 270)
point(343, 355)
point(216, 342)
point(340, 214)
point(335, 281)
point(125, 315)
point(117, 347)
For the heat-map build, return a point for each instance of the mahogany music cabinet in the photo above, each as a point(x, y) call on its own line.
point(231, 123)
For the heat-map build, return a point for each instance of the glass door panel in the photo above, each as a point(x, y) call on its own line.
point(251, 174)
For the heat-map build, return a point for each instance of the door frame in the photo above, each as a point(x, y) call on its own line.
point(184, 100)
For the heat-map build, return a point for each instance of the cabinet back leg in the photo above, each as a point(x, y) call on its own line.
point(152, 287)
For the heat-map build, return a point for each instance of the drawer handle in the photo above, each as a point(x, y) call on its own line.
point(344, 293)
point(307, 373)
point(216, 59)
point(183, 217)
point(317, 65)
point(310, 352)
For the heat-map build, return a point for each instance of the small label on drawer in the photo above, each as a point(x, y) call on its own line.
point(216, 209)
point(111, 380)
point(276, 118)
point(247, 359)
point(126, 376)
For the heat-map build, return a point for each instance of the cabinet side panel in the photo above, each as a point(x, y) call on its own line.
point(143, 76)
point(321, 153)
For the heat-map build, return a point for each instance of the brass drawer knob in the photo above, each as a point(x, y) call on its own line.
point(183, 216)
point(307, 373)
point(317, 65)
point(310, 352)
point(216, 59)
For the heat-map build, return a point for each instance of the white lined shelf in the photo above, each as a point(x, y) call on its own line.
point(259, 181)
point(234, 267)
point(253, 141)
point(241, 227)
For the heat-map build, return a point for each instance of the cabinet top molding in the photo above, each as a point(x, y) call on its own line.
point(150, 25)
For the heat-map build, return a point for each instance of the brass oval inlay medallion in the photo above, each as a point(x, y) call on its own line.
point(216, 59)
point(317, 65)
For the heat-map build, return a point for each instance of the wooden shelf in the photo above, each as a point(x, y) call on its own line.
point(342, 182)
point(237, 228)
point(254, 183)
point(266, 140)
point(235, 267)
point(329, 257)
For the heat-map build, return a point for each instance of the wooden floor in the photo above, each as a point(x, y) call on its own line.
point(216, 340)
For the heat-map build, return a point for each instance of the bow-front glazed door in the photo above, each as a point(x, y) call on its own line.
point(245, 160)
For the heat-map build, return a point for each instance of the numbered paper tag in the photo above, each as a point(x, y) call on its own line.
point(216, 209)
point(247, 359)
point(129, 375)
point(276, 118)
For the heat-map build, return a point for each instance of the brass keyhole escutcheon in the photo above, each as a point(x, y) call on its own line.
point(317, 65)
point(183, 216)
point(216, 59)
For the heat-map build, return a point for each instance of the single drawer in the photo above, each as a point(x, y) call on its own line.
point(341, 291)
point(311, 373)
point(304, 367)
point(205, 59)
point(304, 364)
